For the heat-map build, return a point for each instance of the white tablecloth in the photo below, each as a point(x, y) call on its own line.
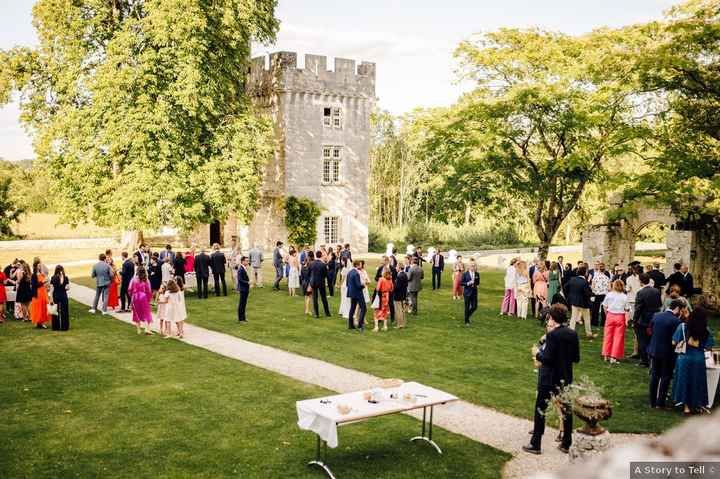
point(713, 376)
point(323, 418)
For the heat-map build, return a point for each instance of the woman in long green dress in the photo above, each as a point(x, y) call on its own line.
point(553, 282)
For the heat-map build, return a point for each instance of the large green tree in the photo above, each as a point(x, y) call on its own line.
point(680, 64)
point(9, 211)
point(542, 119)
point(138, 108)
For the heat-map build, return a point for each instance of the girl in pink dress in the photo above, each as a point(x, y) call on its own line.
point(140, 292)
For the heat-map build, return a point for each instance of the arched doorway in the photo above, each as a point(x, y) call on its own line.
point(614, 242)
point(216, 233)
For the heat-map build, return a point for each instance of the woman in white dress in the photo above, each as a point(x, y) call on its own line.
point(365, 278)
point(344, 300)
point(294, 274)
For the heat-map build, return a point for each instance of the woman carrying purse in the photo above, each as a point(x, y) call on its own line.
point(59, 299)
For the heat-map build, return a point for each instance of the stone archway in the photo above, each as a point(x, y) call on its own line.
point(613, 242)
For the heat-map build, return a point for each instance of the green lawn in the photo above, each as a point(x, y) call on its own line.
point(100, 401)
point(488, 364)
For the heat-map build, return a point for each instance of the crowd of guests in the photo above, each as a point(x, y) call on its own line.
point(29, 293)
point(670, 338)
point(397, 282)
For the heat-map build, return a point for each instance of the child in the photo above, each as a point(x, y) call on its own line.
point(167, 270)
point(176, 312)
point(162, 302)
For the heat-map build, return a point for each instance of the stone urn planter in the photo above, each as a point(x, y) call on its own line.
point(592, 410)
point(591, 439)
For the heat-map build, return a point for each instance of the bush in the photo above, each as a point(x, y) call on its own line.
point(444, 236)
point(301, 216)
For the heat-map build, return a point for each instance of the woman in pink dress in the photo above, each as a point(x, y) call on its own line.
point(190, 261)
point(140, 293)
point(540, 278)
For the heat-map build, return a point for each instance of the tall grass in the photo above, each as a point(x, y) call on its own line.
point(37, 226)
point(488, 235)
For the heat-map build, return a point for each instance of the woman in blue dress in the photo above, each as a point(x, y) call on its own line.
point(690, 379)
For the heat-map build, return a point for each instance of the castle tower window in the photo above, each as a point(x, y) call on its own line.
point(330, 229)
point(332, 117)
point(332, 155)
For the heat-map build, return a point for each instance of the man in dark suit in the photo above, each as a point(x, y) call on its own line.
point(318, 279)
point(657, 277)
point(438, 265)
point(676, 278)
point(557, 355)
point(243, 287)
point(217, 263)
point(578, 295)
point(688, 286)
point(357, 298)
point(647, 303)
point(202, 272)
point(399, 295)
point(126, 275)
point(277, 259)
point(418, 255)
point(470, 281)
point(661, 351)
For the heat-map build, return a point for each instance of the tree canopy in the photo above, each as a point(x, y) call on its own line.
point(680, 63)
point(138, 108)
point(542, 119)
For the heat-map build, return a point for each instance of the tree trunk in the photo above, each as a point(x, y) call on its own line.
point(131, 240)
point(467, 213)
point(543, 250)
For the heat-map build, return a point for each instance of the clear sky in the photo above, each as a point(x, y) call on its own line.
point(411, 41)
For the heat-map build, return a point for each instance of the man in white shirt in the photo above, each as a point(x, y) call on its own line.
point(600, 285)
point(508, 304)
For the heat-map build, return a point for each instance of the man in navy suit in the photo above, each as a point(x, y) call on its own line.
point(318, 280)
point(438, 265)
point(243, 287)
point(357, 298)
point(661, 351)
point(647, 303)
point(126, 274)
point(560, 350)
point(470, 281)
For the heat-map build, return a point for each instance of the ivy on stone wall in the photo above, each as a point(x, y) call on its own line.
point(301, 216)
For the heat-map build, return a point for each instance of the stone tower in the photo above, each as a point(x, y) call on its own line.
point(322, 126)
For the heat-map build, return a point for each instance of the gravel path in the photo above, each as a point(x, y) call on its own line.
point(507, 433)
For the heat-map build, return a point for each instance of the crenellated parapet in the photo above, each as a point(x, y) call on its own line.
point(281, 74)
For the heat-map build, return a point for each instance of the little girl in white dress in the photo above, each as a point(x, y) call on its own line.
point(162, 312)
point(176, 311)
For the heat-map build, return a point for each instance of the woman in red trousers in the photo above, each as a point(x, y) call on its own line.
point(616, 308)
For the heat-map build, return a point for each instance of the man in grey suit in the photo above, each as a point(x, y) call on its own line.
point(415, 277)
point(103, 277)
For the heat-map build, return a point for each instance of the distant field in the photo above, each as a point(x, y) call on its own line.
point(45, 226)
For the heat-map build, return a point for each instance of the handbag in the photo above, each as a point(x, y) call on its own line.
point(52, 309)
point(681, 347)
point(376, 302)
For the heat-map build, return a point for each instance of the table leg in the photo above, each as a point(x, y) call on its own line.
point(427, 438)
point(320, 459)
